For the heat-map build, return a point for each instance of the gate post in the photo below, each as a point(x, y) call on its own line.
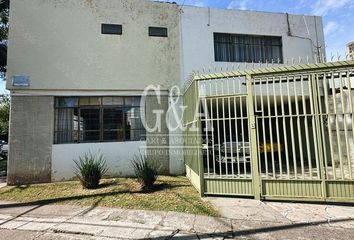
point(253, 138)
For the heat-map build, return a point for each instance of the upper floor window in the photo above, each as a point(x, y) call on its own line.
point(98, 119)
point(247, 48)
point(115, 29)
point(158, 32)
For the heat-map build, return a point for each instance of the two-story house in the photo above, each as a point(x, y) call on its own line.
point(77, 71)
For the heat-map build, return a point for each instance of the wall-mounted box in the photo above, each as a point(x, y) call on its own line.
point(20, 81)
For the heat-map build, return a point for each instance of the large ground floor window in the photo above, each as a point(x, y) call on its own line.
point(98, 119)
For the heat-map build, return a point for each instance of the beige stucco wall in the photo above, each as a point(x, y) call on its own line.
point(60, 46)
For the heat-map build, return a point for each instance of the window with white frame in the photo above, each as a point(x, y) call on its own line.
point(98, 119)
point(247, 48)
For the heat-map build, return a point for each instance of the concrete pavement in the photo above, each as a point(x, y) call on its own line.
point(285, 212)
point(244, 219)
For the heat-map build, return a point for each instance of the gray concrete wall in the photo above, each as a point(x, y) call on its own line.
point(31, 138)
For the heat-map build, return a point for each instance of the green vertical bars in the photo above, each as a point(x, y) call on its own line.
point(207, 120)
point(231, 138)
point(328, 113)
point(307, 136)
point(277, 127)
point(263, 132)
point(282, 102)
point(252, 138)
point(337, 129)
point(315, 134)
point(344, 114)
point(243, 138)
point(270, 130)
point(219, 145)
point(225, 141)
point(320, 159)
point(293, 148)
point(321, 116)
point(237, 138)
point(351, 113)
point(311, 87)
point(299, 130)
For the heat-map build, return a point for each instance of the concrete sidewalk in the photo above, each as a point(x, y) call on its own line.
point(341, 216)
point(245, 219)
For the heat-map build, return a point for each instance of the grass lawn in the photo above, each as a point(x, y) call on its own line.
point(171, 194)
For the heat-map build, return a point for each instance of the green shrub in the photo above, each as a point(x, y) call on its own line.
point(90, 168)
point(146, 171)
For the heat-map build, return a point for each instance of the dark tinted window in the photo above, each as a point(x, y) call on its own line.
point(115, 29)
point(113, 124)
point(98, 119)
point(157, 32)
point(90, 125)
point(247, 48)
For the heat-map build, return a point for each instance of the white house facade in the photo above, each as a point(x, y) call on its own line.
point(78, 71)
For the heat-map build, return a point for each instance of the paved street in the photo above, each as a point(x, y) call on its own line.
point(244, 219)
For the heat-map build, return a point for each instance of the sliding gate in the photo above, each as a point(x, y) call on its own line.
point(281, 133)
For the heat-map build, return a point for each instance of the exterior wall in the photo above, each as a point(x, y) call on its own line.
point(199, 24)
point(177, 166)
point(31, 137)
point(54, 162)
point(118, 157)
point(59, 44)
point(193, 177)
point(158, 141)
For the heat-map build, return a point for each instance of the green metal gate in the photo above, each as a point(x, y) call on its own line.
point(279, 133)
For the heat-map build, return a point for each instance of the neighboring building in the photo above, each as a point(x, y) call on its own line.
point(351, 50)
point(220, 37)
point(77, 70)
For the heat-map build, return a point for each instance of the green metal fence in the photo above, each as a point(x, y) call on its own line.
point(192, 140)
point(275, 133)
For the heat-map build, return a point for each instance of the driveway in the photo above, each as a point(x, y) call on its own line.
point(243, 219)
